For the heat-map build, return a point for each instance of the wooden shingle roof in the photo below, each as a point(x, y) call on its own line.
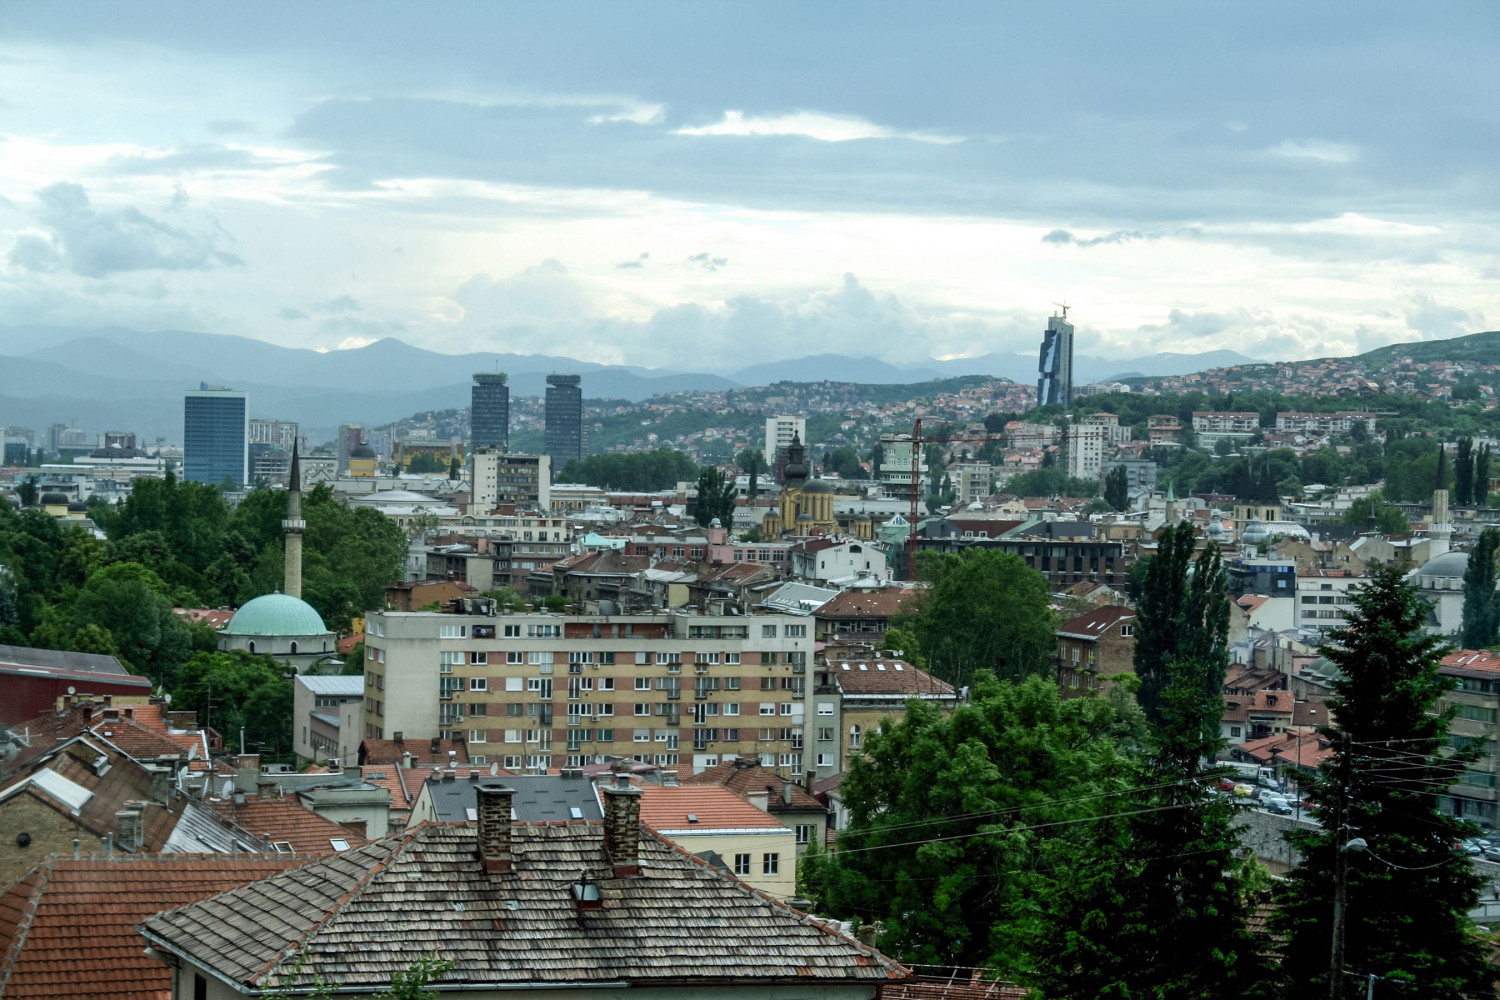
point(68, 927)
point(357, 918)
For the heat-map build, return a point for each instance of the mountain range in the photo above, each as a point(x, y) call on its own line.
point(117, 378)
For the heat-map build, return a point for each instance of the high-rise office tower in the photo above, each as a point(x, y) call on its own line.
point(215, 436)
point(351, 436)
point(1056, 365)
point(564, 419)
point(489, 412)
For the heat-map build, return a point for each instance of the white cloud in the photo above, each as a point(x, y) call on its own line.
point(1316, 149)
point(811, 124)
point(355, 343)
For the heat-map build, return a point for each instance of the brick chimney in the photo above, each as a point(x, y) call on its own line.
point(130, 827)
point(495, 851)
point(622, 827)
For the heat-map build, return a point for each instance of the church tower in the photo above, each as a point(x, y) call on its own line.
point(294, 526)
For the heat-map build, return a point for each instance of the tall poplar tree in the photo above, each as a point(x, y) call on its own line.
point(1481, 621)
point(1408, 892)
point(1463, 472)
point(1183, 614)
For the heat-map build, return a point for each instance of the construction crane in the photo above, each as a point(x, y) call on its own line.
point(917, 441)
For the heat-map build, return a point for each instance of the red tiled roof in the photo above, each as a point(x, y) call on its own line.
point(864, 604)
point(136, 740)
point(923, 988)
point(284, 820)
point(665, 808)
point(1093, 624)
point(1293, 748)
point(885, 676)
point(402, 782)
point(746, 775)
point(1478, 661)
point(122, 781)
point(68, 928)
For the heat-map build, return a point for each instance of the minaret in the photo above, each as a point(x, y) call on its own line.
point(1439, 530)
point(294, 526)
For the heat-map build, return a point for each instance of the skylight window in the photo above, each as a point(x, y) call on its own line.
point(339, 843)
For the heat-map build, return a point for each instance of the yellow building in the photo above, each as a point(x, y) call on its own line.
point(710, 819)
point(804, 507)
point(362, 462)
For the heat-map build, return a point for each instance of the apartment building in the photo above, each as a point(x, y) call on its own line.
point(544, 690)
point(1341, 422)
point(1476, 700)
point(1085, 445)
point(1323, 598)
point(1236, 427)
point(510, 478)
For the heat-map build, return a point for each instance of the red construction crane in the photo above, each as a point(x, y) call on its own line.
point(917, 441)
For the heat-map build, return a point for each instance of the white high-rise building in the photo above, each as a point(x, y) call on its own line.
point(779, 434)
point(1085, 448)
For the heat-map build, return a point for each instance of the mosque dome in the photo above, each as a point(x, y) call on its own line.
point(361, 451)
point(1255, 532)
point(1449, 564)
point(77, 507)
point(275, 614)
point(52, 497)
point(1216, 528)
point(817, 486)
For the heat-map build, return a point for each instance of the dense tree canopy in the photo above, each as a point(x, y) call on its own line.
point(715, 499)
point(1409, 891)
point(644, 472)
point(1481, 619)
point(985, 610)
point(1183, 615)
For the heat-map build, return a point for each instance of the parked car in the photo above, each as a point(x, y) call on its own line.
point(1276, 804)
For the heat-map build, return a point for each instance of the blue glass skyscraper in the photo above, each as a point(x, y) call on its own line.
point(215, 436)
point(1056, 364)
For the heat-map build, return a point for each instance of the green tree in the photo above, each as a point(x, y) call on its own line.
point(1463, 473)
point(1481, 619)
point(1376, 515)
point(26, 491)
point(1409, 893)
point(1183, 614)
point(1482, 476)
point(946, 814)
point(984, 610)
point(844, 462)
point(715, 498)
point(426, 462)
point(233, 689)
point(644, 472)
point(1117, 488)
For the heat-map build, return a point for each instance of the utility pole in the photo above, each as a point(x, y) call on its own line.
point(1341, 880)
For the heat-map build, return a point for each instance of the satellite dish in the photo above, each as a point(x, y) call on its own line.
point(72, 689)
point(226, 789)
point(494, 770)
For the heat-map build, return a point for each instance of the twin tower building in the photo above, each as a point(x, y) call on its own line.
point(489, 419)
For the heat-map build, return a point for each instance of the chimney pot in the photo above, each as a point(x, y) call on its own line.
point(495, 851)
point(130, 828)
point(622, 828)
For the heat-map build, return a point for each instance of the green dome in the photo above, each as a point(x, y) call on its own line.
point(275, 614)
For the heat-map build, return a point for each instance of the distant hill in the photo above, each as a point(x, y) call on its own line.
point(1476, 346)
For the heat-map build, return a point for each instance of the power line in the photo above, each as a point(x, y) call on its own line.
point(1012, 829)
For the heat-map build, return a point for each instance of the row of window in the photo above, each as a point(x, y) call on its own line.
point(554, 631)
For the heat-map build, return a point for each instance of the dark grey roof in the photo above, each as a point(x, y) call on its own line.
point(357, 918)
point(539, 798)
point(59, 659)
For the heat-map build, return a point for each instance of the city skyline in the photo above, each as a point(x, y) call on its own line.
point(1282, 182)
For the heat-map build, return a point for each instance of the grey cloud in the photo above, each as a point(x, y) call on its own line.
point(290, 313)
point(95, 243)
point(1061, 237)
point(1259, 333)
point(1439, 322)
point(339, 306)
point(352, 326)
point(707, 262)
point(190, 159)
point(634, 263)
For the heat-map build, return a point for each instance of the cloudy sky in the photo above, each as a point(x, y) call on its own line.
point(703, 185)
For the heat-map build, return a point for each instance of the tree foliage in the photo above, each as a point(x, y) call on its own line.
point(1117, 488)
point(716, 494)
point(1051, 482)
point(233, 689)
point(1375, 514)
point(1183, 614)
point(984, 610)
point(1409, 892)
point(1481, 618)
point(638, 472)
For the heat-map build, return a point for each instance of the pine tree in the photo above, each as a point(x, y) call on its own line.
point(1409, 892)
point(1481, 621)
point(1482, 477)
point(1463, 473)
point(1182, 614)
point(1117, 488)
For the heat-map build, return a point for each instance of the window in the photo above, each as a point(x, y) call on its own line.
point(1127, 630)
point(770, 864)
point(451, 631)
point(731, 708)
point(731, 683)
point(804, 833)
point(478, 683)
point(606, 684)
point(478, 735)
point(1235, 731)
point(642, 708)
point(478, 758)
point(825, 734)
point(855, 735)
point(515, 683)
point(741, 867)
point(768, 684)
point(449, 658)
point(768, 631)
point(515, 657)
point(786, 708)
point(825, 708)
point(825, 760)
point(512, 632)
point(796, 631)
point(643, 684)
point(768, 708)
point(479, 708)
point(479, 656)
point(732, 659)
